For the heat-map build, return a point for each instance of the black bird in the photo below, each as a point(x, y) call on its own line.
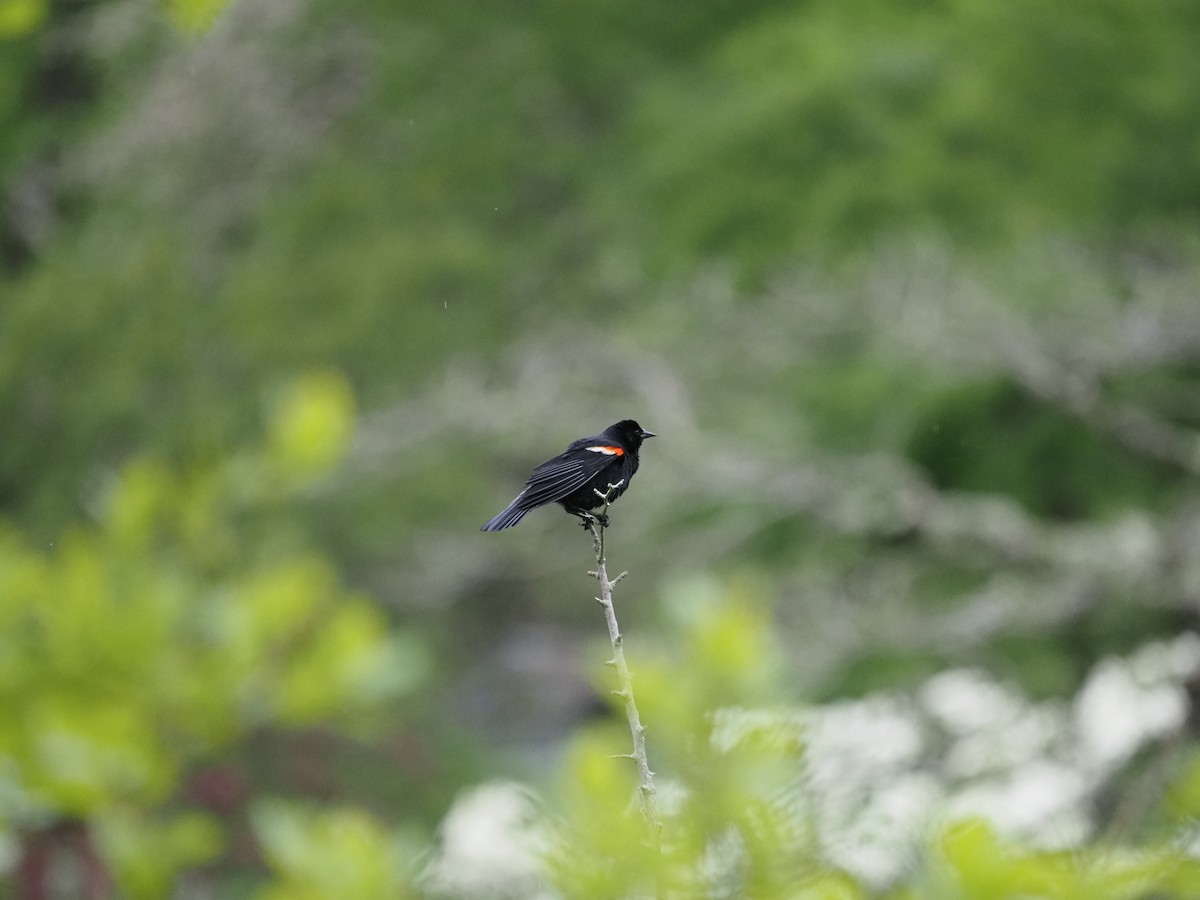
point(572, 477)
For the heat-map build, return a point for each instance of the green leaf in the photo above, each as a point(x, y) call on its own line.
point(193, 15)
point(21, 17)
point(312, 425)
point(327, 855)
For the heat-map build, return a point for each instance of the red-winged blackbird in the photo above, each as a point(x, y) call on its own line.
point(573, 477)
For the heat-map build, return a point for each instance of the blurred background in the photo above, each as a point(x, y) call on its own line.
point(294, 294)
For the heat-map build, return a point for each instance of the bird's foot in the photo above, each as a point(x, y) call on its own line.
point(587, 519)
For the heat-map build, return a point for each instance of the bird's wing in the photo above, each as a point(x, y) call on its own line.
point(563, 475)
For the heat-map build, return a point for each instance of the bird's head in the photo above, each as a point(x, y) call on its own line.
point(628, 434)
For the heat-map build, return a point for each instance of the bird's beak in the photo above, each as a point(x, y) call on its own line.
point(646, 434)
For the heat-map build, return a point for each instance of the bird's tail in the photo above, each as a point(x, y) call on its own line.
point(507, 517)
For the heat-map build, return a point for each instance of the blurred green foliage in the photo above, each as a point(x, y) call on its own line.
point(146, 852)
point(742, 817)
point(1079, 474)
point(830, 122)
point(179, 623)
point(19, 17)
point(336, 853)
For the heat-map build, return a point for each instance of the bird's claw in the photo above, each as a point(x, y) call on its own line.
point(588, 519)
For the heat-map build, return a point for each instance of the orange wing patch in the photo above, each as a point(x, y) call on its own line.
point(607, 450)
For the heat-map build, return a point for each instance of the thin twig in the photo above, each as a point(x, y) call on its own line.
point(647, 799)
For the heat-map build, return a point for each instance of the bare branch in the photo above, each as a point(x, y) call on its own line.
point(647, 799)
